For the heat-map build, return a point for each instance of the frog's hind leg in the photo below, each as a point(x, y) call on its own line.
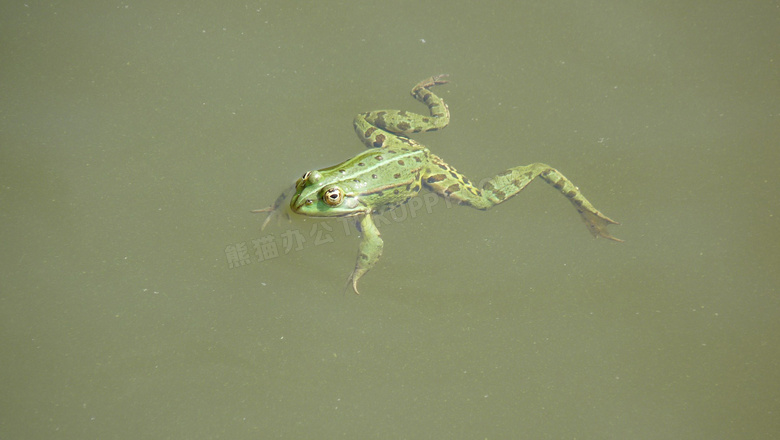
point(446, 181)
point(379, 128)
point(513, 180)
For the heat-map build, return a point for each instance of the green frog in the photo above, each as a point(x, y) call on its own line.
point(396, 168)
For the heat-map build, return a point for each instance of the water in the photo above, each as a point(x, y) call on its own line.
point(137, 136)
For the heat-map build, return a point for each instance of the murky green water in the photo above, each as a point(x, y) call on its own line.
point(136, 136)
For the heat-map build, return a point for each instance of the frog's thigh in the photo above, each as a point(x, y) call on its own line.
point(448, 182)
point(403, 122)
point(371, 136)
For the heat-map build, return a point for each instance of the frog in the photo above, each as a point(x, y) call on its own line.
point(394, 168)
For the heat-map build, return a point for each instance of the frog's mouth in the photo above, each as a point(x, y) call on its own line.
point(298, 207)
point(309, 206)
point(313, 206)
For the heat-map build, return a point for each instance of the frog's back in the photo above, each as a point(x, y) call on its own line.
point(382, 178)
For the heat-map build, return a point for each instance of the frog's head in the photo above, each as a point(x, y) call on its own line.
point(318, 196)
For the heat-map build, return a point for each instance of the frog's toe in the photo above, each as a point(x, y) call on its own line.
point(597, 225)
point(270, 210)
point(352, 282)
point(273, 213)
point(603, 233)
point(432, 81)
point(439, 79)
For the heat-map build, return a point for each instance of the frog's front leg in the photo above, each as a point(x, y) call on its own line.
point(369, 250)
point(277, 209)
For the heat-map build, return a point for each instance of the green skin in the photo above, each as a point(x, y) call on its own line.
point(395, 168)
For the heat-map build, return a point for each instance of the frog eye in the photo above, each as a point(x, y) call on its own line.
point(333, 196)
point(312, 177)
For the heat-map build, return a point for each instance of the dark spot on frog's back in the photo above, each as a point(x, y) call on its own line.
point(452, 188)
point(436, 178)
point(378, 157)
point(397, 175)
point(403, 126)
point(504, 173)
point(401, 162)
point(379, 141)
point(369, 132)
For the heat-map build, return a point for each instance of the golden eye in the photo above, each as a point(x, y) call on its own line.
point(333, 196)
